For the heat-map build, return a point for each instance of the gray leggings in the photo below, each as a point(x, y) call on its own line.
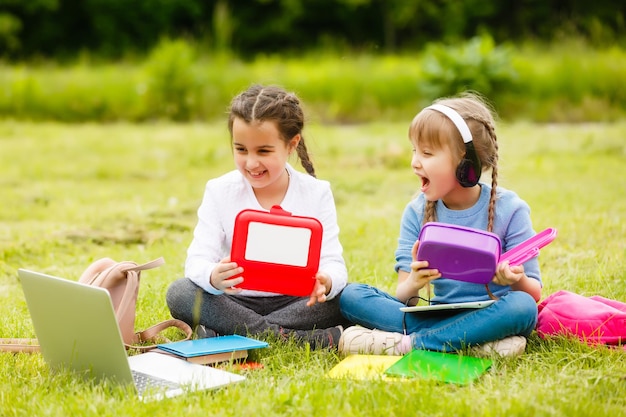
point(235, 314)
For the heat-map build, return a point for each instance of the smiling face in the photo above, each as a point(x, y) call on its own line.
point(261, 154)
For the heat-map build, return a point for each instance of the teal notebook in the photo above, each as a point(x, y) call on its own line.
point(211, 345)
point(439, 366)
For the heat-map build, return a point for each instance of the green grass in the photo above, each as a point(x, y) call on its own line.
point(75, 193)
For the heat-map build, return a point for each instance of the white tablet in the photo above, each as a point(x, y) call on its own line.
point(451, 306)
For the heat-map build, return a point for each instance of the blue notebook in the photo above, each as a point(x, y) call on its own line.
point(212, 345)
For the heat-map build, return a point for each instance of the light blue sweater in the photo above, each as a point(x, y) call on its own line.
point(512, 224)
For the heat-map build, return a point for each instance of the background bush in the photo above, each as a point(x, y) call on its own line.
point(171, 81)
point(477, 64)
point(565, 82)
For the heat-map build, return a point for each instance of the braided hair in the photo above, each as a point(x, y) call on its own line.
point(272, 103)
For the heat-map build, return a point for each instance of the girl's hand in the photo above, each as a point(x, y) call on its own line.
point(420, 273)
point(507, 274)
point(221, 276)
point(410, 283)
point(323, 284)
point(516, 278)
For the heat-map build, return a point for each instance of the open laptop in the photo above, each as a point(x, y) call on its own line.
point(76, 328)
point(450, 306)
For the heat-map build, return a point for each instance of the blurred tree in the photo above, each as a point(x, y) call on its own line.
point(10, 27)
point(222, 26)
point(12, 16)
point(113, 28)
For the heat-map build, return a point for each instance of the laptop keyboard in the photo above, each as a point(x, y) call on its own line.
point(145, 381)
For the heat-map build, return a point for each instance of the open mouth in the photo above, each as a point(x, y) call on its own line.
point(425, 182)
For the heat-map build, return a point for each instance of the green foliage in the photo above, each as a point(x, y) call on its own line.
point(477, 65)
point(76, 93)
point(76, 192)
point(565, 82)
point(10, 27)
point(223, 26)
point(22, 91)
point(117, 28)
point(172, 84)
point(568, 82)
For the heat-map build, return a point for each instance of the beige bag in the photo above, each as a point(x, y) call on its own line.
point(121, 280)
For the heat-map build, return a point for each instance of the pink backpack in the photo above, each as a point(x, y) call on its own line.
point(594, 320)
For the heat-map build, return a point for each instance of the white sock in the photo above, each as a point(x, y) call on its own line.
point(405, 344)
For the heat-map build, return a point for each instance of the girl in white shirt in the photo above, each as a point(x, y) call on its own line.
point(265, 124)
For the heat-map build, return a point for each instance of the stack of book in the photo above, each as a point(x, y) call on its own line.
point(212, 349)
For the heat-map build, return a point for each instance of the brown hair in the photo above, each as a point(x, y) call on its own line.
point(435, 129)
point(272, 103)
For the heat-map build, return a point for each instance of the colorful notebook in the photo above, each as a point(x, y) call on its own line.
point(212, 345)
point(362, 367)
point(439, 366)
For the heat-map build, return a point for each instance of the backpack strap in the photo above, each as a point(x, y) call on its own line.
point(152, 332)
point(131, 271)
point(14, 345)
point(148, 265)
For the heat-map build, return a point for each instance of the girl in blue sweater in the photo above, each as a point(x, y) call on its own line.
point(453, 142)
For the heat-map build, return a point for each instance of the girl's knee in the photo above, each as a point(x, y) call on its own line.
point(524, 307)
point(351, 293)
point(355, 296)
point(178, 292)
point(522, 302)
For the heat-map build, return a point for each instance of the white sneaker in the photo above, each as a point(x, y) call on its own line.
point(357, 339)
point(507, 347)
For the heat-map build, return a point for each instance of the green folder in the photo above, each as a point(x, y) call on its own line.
point(439, 366)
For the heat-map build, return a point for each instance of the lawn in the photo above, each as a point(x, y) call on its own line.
point(74, 193)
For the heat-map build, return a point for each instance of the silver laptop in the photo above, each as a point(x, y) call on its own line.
point(76, 328)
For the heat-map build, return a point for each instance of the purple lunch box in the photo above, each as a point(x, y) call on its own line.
point(458, 252)
point(471, 255)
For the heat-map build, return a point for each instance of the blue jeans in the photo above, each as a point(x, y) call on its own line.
point(515, 313)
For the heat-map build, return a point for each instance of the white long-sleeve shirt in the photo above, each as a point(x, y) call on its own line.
point(225, 196)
